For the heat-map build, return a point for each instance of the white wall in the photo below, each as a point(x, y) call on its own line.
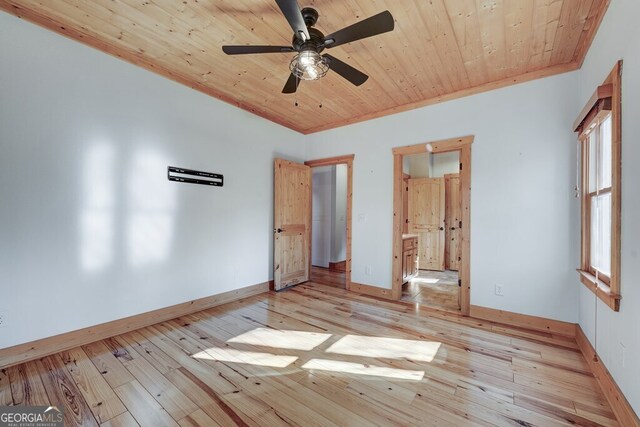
point(429, 165)
point(322, 212)
point(522, 199)
point(91, 229)
point(616, 39)
point(445, 163)
point(339, 237)
point(418, 165)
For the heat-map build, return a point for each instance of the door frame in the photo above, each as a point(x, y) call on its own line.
point(447, 229)
point(331, 161)
point(463, 145)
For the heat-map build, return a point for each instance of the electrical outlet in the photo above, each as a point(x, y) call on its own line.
point(362, 217)
point(4, 319)
point(367, 270)
point(500, 290)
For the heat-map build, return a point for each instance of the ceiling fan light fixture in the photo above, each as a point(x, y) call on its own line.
point(309, 65)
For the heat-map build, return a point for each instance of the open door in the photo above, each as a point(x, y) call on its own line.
point(292, 224)
point(453, 252)
point(426, 219)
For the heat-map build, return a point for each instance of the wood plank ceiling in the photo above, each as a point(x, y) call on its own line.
point(440, 49)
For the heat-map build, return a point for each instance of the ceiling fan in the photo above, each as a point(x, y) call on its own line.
point(308, 42)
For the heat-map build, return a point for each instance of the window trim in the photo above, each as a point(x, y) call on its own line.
point(605, 100)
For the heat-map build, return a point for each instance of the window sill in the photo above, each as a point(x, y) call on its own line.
point(601, 289)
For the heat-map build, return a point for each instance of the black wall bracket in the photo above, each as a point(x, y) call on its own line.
point(203, 178)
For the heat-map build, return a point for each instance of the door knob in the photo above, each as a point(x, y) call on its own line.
point(441, 228)
point(453, 228)
point(279, 230)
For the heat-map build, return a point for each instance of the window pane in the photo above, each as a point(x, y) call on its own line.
point(601, 233)
point(594, 235)
point(604, 178)
point(593, 155)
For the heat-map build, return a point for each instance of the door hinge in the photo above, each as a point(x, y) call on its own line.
point(460, 224)
point(461, 166)
point(460, 283)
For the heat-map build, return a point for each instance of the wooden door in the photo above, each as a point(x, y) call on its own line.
point(292, 223)
point(453, 219)
point(426, 219)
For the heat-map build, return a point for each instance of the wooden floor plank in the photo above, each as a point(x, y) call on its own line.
point(207, 399)
point(63, 391)
point(329, 277)
point(102, 401)
point(168, 395)
point(143, 407)
point(156, 357)
point(26, 385)
point(113, 372)
point(318, 355)
point(6, 398)
point(123, 420)
point(199, 419)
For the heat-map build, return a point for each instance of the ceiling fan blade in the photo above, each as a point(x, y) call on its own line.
point(372, 26)
point(347, 71)
point(244, 49)
point(291, 85)
point(291, 11)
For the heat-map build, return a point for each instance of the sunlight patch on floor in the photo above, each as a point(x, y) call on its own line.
point(429, 280)
point(362, 369)
point(285, 339)
point(349, 345)
point(387, 348)
point(247, 357)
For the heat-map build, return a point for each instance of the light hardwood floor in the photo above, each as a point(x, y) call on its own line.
point(329, 277)
point(434, 289)
point(317, 355)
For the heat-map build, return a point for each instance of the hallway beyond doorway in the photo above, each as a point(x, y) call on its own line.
point(436, 289)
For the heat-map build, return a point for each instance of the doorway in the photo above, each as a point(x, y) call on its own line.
point(328, 225)
point(432, 224)
point(293, 206)
point(336, 270)
point(431, 220)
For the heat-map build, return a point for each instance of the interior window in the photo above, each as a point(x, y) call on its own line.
point(598, 127)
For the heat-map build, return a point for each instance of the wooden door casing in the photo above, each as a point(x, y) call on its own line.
point(292, 223)
point(426, 219)
point(453, 219)
point(463, 145)
point(405, 202)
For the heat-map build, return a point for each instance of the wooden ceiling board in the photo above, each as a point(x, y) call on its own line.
point(439, 50)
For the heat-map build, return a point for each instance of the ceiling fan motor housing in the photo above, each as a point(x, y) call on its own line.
point(316, 42)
